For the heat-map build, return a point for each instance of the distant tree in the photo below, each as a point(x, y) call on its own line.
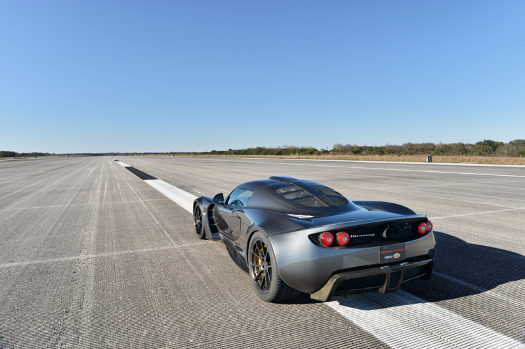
point(8, 154)
point(489, 144)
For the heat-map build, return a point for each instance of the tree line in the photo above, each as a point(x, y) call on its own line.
point(488, 147)
point(14, 154)
point(483, 148)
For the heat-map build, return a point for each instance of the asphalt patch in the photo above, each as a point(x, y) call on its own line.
point(139, 173)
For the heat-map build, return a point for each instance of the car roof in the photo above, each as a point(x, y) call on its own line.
point(265, 196)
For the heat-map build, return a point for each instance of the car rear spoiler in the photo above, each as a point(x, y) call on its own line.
point(384, 206)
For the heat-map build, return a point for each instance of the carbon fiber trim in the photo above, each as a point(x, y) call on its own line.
point(330, 289)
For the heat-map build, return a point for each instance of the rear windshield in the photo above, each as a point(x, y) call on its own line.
point(336, 197)
point(298, 195)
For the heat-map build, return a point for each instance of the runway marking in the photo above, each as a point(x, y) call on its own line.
point(479, 289)
point(196, 272)
point(400, 319)
point(386, 169)
point(123, 164)
point(88, 204)
point(96, 255)
point(388, 189)
point(151, 214)
point(489, 236)
point(105, 190)
point(418, 163)
point(476, 213)
point(199, 192)
point(139, 173)
point(179, 196)
point(372, 161)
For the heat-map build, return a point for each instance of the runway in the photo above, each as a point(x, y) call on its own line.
point(91, 256)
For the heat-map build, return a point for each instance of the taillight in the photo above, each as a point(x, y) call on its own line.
point(422, 228)
point(326, 238)
point(342, 238)
point(430, 226)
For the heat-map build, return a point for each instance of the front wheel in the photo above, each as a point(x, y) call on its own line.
point(263, 270)
point(197, 219)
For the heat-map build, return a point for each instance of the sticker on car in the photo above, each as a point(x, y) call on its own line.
point(392, 253)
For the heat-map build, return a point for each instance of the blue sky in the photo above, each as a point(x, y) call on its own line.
point(137, 76)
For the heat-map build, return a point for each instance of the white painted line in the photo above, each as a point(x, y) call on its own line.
point(105, 190)
point(71, 205)
point(402, 320)
point(98, 255)
point(388, 169)
point(196, 272)
point(480, 289)
point(476, 213)
point(489, 236)
point(421, 163)
point(199, 192)
point(179, 196)
point(123, 164)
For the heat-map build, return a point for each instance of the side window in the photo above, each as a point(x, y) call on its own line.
point(239, 197)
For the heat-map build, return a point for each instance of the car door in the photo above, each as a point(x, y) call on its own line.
point(230, 223)
point(232, 211)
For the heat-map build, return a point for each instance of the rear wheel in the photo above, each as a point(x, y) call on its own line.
point(197, 218)
point(263, 270)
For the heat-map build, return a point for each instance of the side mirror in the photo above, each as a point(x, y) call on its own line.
point(219, 198)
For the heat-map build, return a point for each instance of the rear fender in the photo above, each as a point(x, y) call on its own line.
point(269, 223)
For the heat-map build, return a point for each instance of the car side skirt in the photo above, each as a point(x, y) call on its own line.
point(235, 256)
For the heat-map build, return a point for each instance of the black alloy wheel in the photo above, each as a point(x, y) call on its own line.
point(262, 267)
point(197, 218)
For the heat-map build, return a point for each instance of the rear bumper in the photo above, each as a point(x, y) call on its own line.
point(381, 279)
point(308, 268)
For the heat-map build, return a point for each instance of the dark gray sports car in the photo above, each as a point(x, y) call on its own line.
point(294, 235)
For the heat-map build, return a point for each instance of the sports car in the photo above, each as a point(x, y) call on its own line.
point(294, 235)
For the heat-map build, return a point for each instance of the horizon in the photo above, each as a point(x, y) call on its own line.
point(199, 76)
point(519, 143)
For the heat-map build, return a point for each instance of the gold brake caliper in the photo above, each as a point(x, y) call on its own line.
point(258, 262)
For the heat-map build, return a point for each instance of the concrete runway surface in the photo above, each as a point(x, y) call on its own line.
point(91, 256)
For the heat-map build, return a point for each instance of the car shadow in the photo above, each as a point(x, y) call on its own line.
point(460, 269)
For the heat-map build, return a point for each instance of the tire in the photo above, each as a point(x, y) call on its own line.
point(263, 271)
point(197, 221)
